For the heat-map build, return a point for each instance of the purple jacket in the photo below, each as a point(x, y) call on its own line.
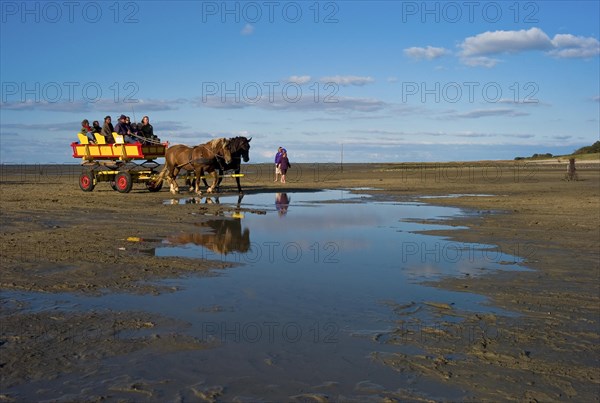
point(121, 128)
point(284, 164)
point(278, 155)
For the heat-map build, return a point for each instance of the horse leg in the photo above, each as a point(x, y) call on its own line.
point(237, 180)
point(170, 180)
point(173, 180)
point(215, 178)
point(199, 173)
point(189, 182)
point(220, 179)
point(172, 185)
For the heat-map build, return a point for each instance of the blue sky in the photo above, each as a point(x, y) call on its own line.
point(387, 81)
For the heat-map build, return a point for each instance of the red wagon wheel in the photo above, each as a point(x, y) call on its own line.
point(86, 182)
point(123, 182)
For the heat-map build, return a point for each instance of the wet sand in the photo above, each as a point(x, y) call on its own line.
point(56, 238)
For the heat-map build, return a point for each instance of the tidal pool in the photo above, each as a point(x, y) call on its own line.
point(302, 312)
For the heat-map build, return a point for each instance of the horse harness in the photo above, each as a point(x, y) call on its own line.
point(192, 161)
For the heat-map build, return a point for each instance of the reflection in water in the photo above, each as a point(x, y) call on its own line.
point(224, 236)
point(198, 200)
point(282, 201)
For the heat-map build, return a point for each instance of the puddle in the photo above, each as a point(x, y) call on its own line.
point(452, 196)
point(268, 199)
point(302, 311)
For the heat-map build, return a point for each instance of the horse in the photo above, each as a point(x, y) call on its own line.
point(240, 150)
point(201, 158)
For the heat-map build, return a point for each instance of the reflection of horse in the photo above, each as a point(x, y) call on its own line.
point(240, 149)
point(201, 158)
point(225, 236)
point(282, 202)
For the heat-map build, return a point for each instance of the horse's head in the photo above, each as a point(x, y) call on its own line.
point(244, 148)
point(221, 148)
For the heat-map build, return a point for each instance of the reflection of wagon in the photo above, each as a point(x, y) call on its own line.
point(114, 163)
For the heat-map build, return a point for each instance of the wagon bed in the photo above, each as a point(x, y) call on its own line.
point(118, 152)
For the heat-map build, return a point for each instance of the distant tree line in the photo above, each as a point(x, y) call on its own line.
point(536, 156)
point(594, 148)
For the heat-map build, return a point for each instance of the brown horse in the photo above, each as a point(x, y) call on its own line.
point(201, 158)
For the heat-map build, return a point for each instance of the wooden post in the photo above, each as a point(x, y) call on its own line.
point(571, 170)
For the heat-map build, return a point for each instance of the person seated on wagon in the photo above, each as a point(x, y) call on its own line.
point(86, 130)
point(96, 127)
point(107, 130)
point(134, 128)
point(124, 130)
point(131, 127)
point(147, 131)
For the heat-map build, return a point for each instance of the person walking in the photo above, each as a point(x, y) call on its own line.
point(284, 165)
point(277, 160)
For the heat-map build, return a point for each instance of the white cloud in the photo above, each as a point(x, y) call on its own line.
point(526, 101)
point(482, 113)
point(51, 127)
point(347, 80)
point(298, 79)
point(571, 46)
point(475, 50)
point(102, 105)
point(247, 30)
point(43, 105)
point(428, 53)
point(480, 61)
point(489, 43)
point(307, 103)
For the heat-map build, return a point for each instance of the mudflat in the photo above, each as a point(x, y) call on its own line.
point(57, 239)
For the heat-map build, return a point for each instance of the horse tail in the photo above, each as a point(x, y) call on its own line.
point(162, 175)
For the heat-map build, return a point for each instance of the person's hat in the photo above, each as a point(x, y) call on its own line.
point(122, 117)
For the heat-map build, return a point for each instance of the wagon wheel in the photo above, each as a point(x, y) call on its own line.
point(113, 185)
point(153, 186)
point(86, 182)
point(123, 182)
